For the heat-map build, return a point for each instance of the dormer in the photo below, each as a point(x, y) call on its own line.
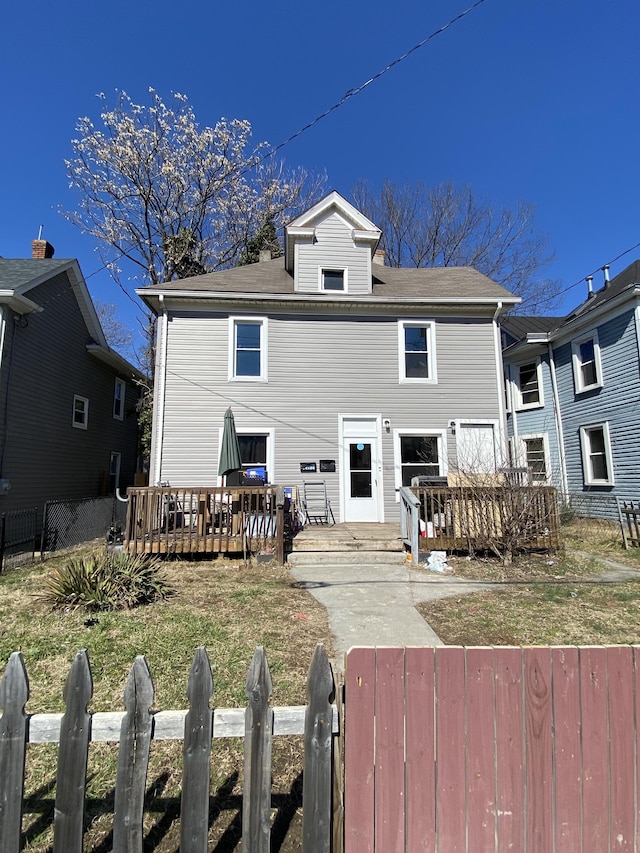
point(329, 249)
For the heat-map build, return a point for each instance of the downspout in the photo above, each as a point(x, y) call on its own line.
point(558, 417)
point(514, 416)
point(159, 392)
point(8, 358)
point(636, 317)
point(500, 377)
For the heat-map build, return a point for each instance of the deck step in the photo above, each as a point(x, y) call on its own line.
point(347, 545)
point(350, 543)
point(345, 558)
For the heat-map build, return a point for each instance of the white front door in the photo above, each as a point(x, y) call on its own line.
point(476, 448)
point(361, 469)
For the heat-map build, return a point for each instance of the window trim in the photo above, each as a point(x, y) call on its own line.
point(119, 383)
point(443, 459)
point(585, 449)
point(270, 434)
point(547, 458)
point(345, 279)
point(84, 424)
point(539, 404)
point(577, 363)
point(262, 322)
point(432, 378)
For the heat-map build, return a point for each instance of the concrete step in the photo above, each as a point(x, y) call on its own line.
point(347, 545)
point(359, 557)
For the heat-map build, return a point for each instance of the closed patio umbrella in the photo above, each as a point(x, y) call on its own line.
point(230, 450)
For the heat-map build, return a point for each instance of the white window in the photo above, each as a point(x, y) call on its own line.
point(80, 412)
point(248, 349)
point(587, 367)
point(333, 279)
point(419, 453)
point(476, 446)
point(530, 385)
point(597, 462)
point(256, 452)
point(535, 458)
point(118, 399)
point(417, 351)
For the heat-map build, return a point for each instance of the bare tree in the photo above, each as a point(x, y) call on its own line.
point(445, 225)
point(173, 198)
point(119, 336)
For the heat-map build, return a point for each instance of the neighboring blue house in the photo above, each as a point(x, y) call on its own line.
point(573, 392)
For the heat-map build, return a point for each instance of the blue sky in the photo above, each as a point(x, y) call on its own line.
point(538, 101)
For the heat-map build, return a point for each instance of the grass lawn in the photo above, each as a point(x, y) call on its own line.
point(545, 600)
point(226, 606)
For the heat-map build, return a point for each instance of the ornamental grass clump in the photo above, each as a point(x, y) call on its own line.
point(105, 581)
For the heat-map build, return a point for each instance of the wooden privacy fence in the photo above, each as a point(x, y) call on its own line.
point(488, 750)
point(480, 518)
point(137, 726)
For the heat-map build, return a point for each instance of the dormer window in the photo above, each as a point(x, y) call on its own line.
point(333, 279)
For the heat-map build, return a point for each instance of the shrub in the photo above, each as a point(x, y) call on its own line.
point(567, 513)
point(105, 581)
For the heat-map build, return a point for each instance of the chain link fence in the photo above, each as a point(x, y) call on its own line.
point(589, 515)
point(18, 537)
point(69, 523)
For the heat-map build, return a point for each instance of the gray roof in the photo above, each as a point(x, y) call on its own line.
point(17, 273)
point(20, 275)
point(627, 279)
point(271, 278)
point(519, 326)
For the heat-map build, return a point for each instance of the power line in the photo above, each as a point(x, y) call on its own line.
point(349, 94)
point(584, 277)
point(353, 92)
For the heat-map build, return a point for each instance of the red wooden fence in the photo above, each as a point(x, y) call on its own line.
point(488, 750)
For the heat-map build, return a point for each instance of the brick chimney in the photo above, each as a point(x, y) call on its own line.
point(41, 249)
point(378, 257)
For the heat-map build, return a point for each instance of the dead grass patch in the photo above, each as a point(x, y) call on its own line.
point(225, 605)
point(547, 613)
point(553, 599)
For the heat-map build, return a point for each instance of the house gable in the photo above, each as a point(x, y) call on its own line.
point(330, 247)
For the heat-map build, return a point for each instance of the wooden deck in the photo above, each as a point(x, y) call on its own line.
point(201, 521)
point(478, 518)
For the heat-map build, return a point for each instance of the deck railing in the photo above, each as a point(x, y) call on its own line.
point(216, 520)
point(477, 518)
point(629, 514)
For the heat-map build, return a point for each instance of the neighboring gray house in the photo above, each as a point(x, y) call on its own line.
point(336, 367)
point(68, 421)
point(573, 384)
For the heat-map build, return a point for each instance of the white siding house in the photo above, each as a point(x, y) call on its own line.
point(336, 367)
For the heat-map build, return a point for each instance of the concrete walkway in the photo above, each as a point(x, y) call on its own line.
point(615, 572)
point(373, 603)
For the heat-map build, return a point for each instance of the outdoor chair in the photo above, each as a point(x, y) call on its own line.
point(315, 503)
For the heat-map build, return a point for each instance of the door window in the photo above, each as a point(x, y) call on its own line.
point(360, 470)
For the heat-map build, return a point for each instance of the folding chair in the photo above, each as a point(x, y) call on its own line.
point(315, 503)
